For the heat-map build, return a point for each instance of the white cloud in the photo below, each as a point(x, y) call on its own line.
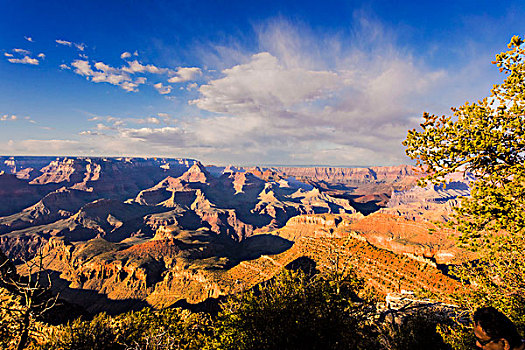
point(28, 38)
point(153, 120)
point(101, 126)
point(104, 73)
point(191, 86)
point(45, 146)
point(290, 105)
point(63, 147)
point(25, 60)
point(105, 68)
point(79, 46)
point(7, 117)
point(263, 83)
point(185, 74)
point(109, 119)
point(296, 105)
point(82, 68)
point(147, 120)
point(30, 120)
point(88, 133)
point(124, 77)
point(125, 55)
point(22, 51)
point(64, 66)
point(162, 89)
point(137, 67)
point(174, 136)
point(303, 98)
point(129, 86)
point(23, 56)
point(167, 119)
point(64, 42)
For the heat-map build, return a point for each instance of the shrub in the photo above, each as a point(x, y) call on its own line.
point(294, 311)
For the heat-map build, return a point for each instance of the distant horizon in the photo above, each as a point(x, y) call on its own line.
point(211, 164)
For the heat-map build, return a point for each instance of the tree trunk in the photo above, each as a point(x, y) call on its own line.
point(25, 332)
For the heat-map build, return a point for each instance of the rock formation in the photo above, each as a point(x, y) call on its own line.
point(119, 232)
point(430, 203)
point(118, 198)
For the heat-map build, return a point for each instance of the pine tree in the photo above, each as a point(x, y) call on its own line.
point(486, 138)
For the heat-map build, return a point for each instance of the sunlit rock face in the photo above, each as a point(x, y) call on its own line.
point(430, 203)
point(389, 174)
point(367, 189)
point(81, 198)
point(119, 232)
point(195, 265)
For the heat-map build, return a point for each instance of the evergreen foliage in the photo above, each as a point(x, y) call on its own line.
point(486, 138)
point(295, 311)
point(414, 331)
point(147, 329)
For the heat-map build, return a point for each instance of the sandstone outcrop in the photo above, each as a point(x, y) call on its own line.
point(122, 231)
point(430, 203)
point(196, 265)
point(390, 174)
point(367, 189)
point(119, 198)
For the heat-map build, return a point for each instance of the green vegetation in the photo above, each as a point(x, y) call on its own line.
point(295, 311)
point(145, 330)
point(486, 138)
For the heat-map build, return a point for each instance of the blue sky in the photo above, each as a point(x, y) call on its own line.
point(241, 82)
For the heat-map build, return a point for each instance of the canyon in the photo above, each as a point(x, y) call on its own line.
point(120, 233)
